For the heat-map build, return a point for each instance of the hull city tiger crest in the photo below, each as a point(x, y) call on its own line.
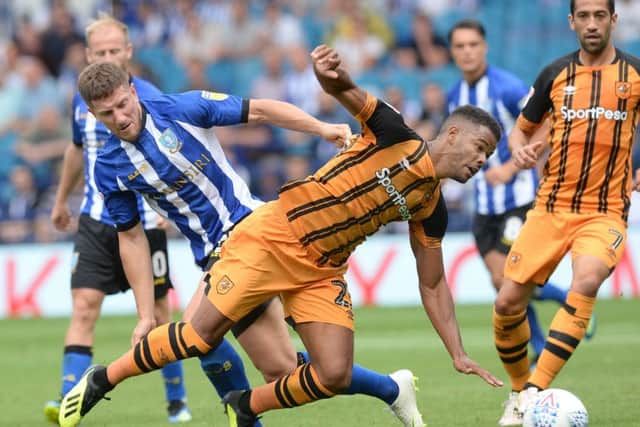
point(169, 140)
point(623, 90)
point(224, 285)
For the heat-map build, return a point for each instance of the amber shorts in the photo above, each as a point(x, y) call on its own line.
point(263, 259)
point(546, 237)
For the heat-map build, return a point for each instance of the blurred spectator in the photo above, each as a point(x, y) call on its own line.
point(150, 29)
point(36, 85)
point(285, 30)
point(409, 109)
point(214, 12)
point(296, 163)
point(354, 13)
point(434, 104)
point(197, 40)
point(196, 76)
point(361, 37)
point(271, 84)
point(74, 62)
point(302, 85)
point(430, 48)
point(26, 37)
point(17, 207)
point(242, 36)
point(628, 27)
point(269, 178)
point(44, 142)
point(55, 40)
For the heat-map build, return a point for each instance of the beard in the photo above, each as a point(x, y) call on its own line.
point(595, 49)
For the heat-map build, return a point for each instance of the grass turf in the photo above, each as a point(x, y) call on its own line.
point(604, 373)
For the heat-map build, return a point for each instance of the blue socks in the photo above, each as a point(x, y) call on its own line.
point(551, 292)
point(368, 382)
point(173, 381)
point(76, 360)
point(537, 339)
point(225, 370)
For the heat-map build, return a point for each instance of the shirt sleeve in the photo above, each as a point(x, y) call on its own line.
point(430, 231)
point(515, 97)
point(384, 122)
point(205, 109)
point(122, 205)
point(538, 103)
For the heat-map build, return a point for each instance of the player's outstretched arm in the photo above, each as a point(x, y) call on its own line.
point(438, 304)
point(288, 116)
point(335, 80)
point(136, 261)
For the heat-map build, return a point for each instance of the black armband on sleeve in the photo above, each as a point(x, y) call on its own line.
point(436, 224)
point(388, 126)
point(129, 225)
point(244, 115)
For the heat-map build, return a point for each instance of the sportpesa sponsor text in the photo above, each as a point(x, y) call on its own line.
point(592, 113)
point(398, 199)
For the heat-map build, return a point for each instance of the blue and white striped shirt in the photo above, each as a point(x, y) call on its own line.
point(179, 167)
point(91, 135)
point(501, 94)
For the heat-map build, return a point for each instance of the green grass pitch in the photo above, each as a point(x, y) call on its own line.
point(604, 373)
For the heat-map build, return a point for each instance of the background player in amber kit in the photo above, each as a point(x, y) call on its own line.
point(591, 97)
point(298, 245)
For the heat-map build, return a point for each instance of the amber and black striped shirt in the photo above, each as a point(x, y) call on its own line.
point(593, 113)
point(386, 175)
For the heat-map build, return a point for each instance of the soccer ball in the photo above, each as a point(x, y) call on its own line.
point(556, 408)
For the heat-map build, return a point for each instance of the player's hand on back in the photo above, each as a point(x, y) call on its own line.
point(465, 365)
point(61, 216)
point(325, 61)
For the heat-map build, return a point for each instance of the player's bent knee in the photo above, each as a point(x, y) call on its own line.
point(272, 369)
point(505, 306)
point(335, 378)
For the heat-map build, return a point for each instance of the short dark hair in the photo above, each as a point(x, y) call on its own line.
point(468, 24)
point(100, 80)
point(477, 116)
point(611, 5)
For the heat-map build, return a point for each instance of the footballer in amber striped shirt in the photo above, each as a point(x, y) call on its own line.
point(590, 99)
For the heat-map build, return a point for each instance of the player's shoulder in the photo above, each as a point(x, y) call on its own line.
point(630, 59)
point(504, 82)
point(555, 67)
point(145, 88)
point(110, 153)
point(502, 76)
point(78, 103)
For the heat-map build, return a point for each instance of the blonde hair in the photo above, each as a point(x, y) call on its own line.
point(105, 19)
